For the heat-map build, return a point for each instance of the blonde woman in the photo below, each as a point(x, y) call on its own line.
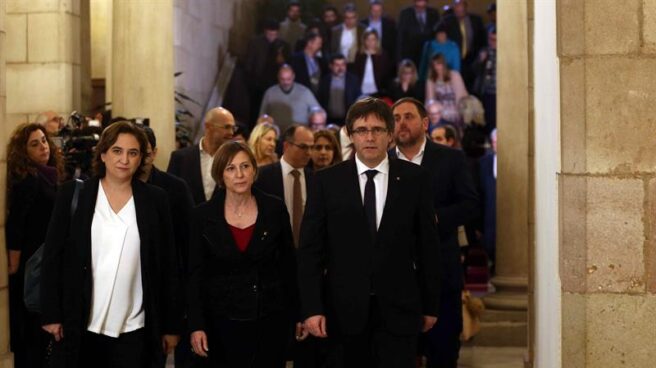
point(372, 64)
point(446, 87)
point(263, 143)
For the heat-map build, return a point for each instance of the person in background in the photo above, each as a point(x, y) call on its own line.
point(445, 135)
point(263, 144)
point(440, 45)
point(325, 152)
point(384, 26)
point(434, 109)
point(372, 64)
point(292, 28)
point(193, 164)
point(318, 118)
point(52, 121)
point(241, 269)
point(338, 90)
point(407, 83)
point(34, 168)
point(345, 37)
point(241, 133)
point(329, 19)
point(308, 66)
point(488, 188)
point(415, 28)
point(486, 80)
point(446, 87)
point(110, 283)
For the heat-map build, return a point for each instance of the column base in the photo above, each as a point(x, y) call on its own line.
point(7, 360)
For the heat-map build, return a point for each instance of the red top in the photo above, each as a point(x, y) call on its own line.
point(242, 236)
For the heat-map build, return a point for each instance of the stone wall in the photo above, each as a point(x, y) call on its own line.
point(43, 58)
point(608, 182)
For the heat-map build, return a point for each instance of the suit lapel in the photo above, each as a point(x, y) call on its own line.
point(84, 216)
point(141, 207)
point(197, 177)
point(393, 182)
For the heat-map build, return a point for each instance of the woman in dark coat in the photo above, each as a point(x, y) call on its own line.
point(109, 289)
point(242, 288)
point(372, 65)
point(33, 170)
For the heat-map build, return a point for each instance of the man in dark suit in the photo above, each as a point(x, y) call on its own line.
point(345, 37)
point(455, 202)
point(368, 264)
point(415, 27)
point(194, 164)
point(281, 178)
point(338, 90)
point(181, 204)
point(307, 65)
point(384, 26)
point(488, 187)
point(468, 32)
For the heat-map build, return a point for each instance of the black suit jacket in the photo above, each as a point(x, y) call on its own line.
point(480, 36)
point(351, 91)
point(299, 64)
point(488, 185)
point(185, 164)
point(226, 283)
point(411, 37)
point(382, 68)
point(269, 180)
point(66, 280)
point(401, 265)
point(388, 42)
point(456, 203)
point(181, 204)
point(336, 38)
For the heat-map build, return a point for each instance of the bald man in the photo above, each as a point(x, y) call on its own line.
point(50, 120)
point(194, 164)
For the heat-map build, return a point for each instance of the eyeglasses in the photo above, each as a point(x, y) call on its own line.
point(302, 146)
point(322, 147)
point(375, 131)
point(231, 127)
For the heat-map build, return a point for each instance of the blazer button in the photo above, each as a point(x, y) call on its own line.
point(255, 288)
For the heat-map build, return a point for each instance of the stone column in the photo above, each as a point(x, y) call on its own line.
point(43, 58)
point(506, 317)
point(142, 67)
point(6, 358)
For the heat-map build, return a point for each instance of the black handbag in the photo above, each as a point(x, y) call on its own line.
point(32, 285)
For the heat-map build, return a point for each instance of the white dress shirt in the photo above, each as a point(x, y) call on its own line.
point(380, 182)
point(206, 161)
point(117, 292)
point(418, 157)
point(288, 185)
point(369, 81)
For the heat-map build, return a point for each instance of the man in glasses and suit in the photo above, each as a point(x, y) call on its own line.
point(368, 261)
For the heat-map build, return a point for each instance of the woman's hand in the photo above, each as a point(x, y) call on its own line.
point(199, 343)
point(169, 342)
point(55, 329)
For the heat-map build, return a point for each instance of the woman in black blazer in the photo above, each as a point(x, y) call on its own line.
point(242, 288)
point(34, 167)
point(111, 300)
point(380, 65)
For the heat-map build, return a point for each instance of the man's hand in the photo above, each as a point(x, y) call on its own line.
point(301, 332)
point(199, 343)
point(55, 329)
point(169, 342)
point(429, 322)
point(316, 325)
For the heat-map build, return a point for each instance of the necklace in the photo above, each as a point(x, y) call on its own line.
point(238, 213)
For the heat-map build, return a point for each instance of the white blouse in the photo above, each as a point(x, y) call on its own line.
point(369, 80)
point(117, 293)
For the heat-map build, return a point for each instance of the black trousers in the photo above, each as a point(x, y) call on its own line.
point(125, 351)
point(248, 344)
point(442, 342)
point(28, 340)
point(377, 347)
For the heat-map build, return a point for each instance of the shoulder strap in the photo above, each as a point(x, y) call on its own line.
point(79, 184)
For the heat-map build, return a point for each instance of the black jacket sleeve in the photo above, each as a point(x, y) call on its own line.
point(428, 249)
point(466, 205)
point(21, 200)
point(198, 256)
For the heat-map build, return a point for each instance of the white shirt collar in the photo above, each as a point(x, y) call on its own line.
point(287, 168)
point(383, 166)
point(419, 154)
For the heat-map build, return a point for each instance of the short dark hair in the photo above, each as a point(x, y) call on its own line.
point(271, 25)
point(329, 7)
point(288, 134)
point(337, 56)
point(350, 8)
point(311, 36)
point(449, 131)
point(225, 154)
point(150, 135)
point(334, 142)
point(420, 106)
point(366, 107)
point(293, 3)
point(110, 135)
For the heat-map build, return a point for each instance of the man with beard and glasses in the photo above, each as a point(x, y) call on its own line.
point(455, 201)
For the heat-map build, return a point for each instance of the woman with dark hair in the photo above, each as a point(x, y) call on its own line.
point(109, 288)
point(242, 286)
point(372, 64)
point(34, 167)
point(446, 87)
point(326, 151)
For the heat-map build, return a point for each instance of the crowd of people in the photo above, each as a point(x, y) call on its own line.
point(330, 232)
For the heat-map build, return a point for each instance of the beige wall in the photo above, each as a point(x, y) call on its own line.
point(608, 187)
point(6, 359)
